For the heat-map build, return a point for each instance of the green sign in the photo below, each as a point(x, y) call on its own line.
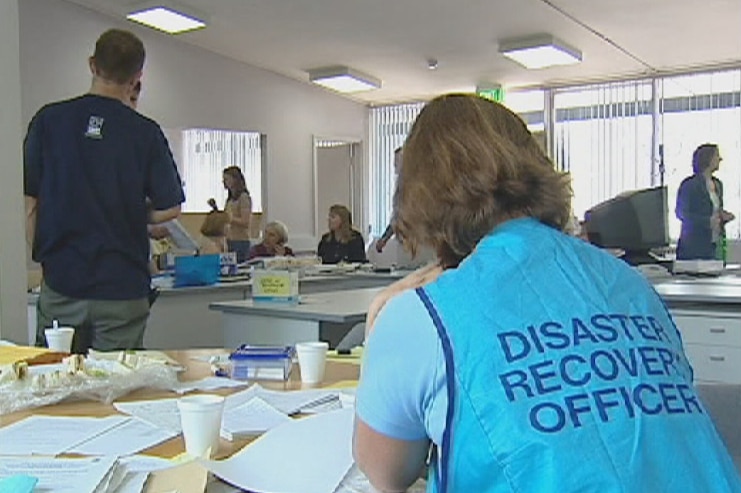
point(496, 94)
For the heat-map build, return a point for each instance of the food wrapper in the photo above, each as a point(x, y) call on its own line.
point(25, 387)
point(356, 482)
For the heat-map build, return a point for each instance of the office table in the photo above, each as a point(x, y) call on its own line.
point(195, 369)
point(321, 316)
point(181, 319)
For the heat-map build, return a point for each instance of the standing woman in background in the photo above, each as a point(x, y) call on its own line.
point(239, 207)
point(342, 243)
point(700, 207)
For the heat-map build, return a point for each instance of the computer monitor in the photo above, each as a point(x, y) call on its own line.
point(634, 221)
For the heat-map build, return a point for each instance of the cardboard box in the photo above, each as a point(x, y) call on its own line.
point(275, 286)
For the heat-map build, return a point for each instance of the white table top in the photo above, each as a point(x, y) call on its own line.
point(717, 291)
point(335, 306)
point(352, 305)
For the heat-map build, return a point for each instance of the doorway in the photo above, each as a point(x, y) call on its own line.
point(337, 179)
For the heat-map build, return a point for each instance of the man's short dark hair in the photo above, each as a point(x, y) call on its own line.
point(119, 55)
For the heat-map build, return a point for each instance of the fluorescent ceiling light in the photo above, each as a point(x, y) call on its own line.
point(540, 52)
point(343, 79)
point(171, 20)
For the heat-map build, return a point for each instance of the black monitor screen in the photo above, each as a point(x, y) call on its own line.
point(634, 221)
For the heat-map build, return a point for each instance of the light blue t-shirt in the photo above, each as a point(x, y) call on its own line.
point(413, 378)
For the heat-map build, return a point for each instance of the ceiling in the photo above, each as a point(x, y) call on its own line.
point(392, 39)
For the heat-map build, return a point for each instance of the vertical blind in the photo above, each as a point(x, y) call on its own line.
point(389, 126)
point(610, 137)
point(697, 109)
point(603, 138)
point(206, 153)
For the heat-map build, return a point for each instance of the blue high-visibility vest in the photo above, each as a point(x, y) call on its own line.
point(565, 373)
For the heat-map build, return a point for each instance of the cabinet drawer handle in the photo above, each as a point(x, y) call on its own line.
point(718, 359)
point(717, 331)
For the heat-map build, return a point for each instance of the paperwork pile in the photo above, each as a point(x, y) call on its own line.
point(84, 475)
point(250, 412)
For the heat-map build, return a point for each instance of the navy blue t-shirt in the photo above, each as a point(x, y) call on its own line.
point(91, 162)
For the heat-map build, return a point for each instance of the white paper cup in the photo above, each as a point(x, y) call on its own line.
point(312, 358)
point(60, 339)
point(200, 417)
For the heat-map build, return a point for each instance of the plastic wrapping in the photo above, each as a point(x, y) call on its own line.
point(356, 482)
point(80, 379)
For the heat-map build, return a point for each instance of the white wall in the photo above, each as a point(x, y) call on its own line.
point(333, 179)
point(185, 86)
point(12, 236)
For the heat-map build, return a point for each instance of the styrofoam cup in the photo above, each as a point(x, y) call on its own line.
point(312, 358)
point(60, 339)
point(200, 417)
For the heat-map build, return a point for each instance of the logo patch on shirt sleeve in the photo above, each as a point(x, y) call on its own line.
point(95, 127)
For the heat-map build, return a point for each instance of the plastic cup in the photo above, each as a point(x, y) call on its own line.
point(200, 417)
point(60, 339)
point(312, 358)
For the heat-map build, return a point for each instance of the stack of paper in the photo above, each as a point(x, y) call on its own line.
point(85, 475)
point(253, 418)
point(248, 418)
point(90, 475)
point(289, 403)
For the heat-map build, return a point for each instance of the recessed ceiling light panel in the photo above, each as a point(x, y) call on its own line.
point(540, 52)
point(343, 79)
point(170, 19)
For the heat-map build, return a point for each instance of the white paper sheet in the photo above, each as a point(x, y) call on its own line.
point(59, 475)
point(252, 418)
point(133, 482)
point(129, 437)
point(287, 402)
point(144, 463)
point(112, 479)
point(137, 469)
point(209, 383)
point(30, 436)
point(180, 236)
point(309, 455)
point(162, 413)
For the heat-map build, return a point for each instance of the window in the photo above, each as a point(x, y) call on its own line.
point(207, 152)
point(530, 105)
point(603, 138)
point(389, 126)
point(697, 109)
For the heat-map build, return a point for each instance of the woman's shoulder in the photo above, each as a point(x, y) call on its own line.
point(258, 248)
point(243, 199)
point(692, 181)
point(354, 234)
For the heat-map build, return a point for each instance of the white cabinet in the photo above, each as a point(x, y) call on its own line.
point(712, 342)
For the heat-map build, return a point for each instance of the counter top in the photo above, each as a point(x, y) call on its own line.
point(336, 306)
point(714, 291)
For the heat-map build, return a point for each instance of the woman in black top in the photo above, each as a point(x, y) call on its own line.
point(342, 243)
point(700, 208)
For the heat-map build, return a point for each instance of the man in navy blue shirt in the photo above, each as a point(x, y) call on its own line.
point(91, 164)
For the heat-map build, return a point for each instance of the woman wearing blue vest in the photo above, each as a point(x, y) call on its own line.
point(529, 361)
